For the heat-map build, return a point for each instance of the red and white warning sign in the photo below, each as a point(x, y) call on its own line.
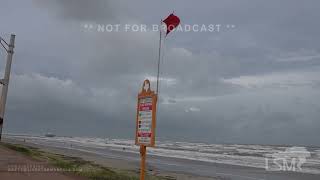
point(146, 117)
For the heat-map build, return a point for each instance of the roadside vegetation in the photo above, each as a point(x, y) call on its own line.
point(79, 166)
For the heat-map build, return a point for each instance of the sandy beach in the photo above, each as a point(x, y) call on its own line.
point(169, 167)
point(10, 158)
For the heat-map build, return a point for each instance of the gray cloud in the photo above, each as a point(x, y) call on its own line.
point(75, 82)
point(80, 10)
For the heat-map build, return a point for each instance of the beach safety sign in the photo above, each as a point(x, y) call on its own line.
point(146, 116)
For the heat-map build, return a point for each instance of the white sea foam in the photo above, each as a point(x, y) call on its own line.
point(241, 155)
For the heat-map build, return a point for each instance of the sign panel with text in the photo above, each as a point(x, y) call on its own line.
point(146, 117)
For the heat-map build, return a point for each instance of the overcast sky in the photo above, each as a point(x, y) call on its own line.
point(256, 82)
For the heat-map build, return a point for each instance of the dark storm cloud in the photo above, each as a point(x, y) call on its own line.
point(255, 83)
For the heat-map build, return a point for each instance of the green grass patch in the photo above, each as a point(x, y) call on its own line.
point(29, 151)
point(79, 166)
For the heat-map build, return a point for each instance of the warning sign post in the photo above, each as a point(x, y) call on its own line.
point(145, 122)
point(146, 116)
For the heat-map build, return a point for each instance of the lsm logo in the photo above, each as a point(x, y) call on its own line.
point(289, 160)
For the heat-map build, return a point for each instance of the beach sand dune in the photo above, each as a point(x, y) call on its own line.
point(14, 166)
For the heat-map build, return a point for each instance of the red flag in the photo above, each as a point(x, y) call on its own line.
point(172, 22)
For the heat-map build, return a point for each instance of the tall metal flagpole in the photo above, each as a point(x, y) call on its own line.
point(143, 148)
point(159, 58)
point(5, 81)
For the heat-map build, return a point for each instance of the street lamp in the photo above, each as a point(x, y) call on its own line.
point(5, 81)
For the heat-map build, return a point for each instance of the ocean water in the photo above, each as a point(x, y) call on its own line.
point(233, 154)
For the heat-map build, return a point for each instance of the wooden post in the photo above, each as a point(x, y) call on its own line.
point(143, 154)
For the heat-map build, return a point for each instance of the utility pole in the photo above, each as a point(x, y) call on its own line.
point(5, 80)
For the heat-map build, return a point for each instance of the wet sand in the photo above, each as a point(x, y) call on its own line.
point(173, 167)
